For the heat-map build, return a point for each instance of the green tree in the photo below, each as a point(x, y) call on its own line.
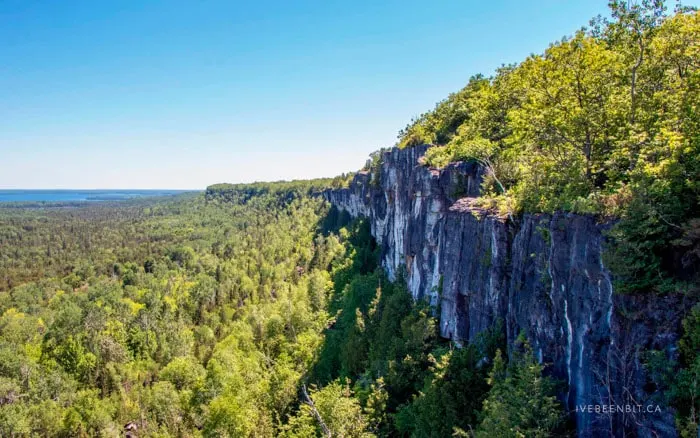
point(521, 402)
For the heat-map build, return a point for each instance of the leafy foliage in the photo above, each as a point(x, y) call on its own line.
point(521, 401)
point(181, 316)
point(453, 394)
point(209, 316)
point(604, 122)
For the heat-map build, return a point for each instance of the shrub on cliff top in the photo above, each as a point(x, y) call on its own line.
point(603, 122)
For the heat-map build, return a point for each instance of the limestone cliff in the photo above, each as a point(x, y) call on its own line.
point(541, 274)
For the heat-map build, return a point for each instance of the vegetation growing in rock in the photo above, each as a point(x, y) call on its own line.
point(605, 122)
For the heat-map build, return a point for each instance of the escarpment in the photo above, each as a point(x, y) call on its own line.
point(540, 274)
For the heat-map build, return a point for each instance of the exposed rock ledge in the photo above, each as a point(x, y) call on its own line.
point(543, 275)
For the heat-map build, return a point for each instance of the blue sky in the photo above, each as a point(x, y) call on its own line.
point(182, 94)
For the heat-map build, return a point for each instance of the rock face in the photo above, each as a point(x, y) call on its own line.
point(542, 275)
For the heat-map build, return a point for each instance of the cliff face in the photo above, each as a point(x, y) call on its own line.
point(543, 275)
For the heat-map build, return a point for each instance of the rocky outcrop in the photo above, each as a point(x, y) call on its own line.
point(541, 274)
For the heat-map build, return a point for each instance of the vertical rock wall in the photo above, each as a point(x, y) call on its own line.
point(543, 275)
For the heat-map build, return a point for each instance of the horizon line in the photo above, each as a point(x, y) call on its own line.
point(98, 189)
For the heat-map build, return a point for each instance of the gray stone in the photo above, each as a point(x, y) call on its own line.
point(543, 275)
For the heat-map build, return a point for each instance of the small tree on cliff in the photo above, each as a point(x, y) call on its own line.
point(521, 402)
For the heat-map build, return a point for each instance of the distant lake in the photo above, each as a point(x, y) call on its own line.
point(80, 195)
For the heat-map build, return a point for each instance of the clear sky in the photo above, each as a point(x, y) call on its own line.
point(185, 93)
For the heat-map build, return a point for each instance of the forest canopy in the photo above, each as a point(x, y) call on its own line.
point(256, 310)
point(248, 311)
point(604, 122)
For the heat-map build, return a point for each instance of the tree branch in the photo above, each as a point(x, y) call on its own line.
point(314, 411)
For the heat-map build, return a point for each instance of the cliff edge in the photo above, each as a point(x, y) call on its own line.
point(542, 275)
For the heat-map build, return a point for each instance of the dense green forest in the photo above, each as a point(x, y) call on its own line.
point(177, 315)
point(256, 310)
point(238, 312)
